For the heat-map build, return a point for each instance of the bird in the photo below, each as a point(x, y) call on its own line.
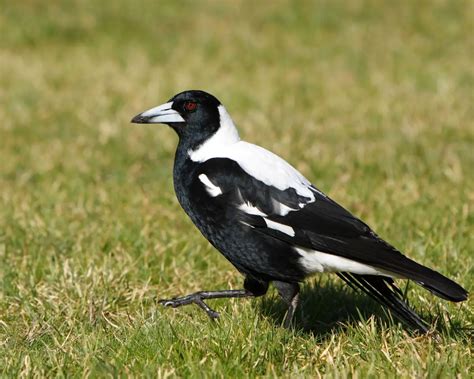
point(272, 224)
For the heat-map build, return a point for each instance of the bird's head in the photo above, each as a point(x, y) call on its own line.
point(194, 115)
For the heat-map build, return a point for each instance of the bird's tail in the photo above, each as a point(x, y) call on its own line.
point(443, 287)
point(392, 260)
point(373, 251)
point(433, 281)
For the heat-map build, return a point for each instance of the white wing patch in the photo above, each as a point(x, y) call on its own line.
point(314, 261)
point(254, 160)
point(251, 210)
point(280, 227)
point(211, 189)
point(283, 209)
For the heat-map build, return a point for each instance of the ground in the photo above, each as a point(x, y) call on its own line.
point(371, 100)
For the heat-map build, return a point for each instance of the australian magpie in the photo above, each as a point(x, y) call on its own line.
point(270, 222)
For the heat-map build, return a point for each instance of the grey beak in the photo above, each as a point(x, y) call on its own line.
point(162, 114)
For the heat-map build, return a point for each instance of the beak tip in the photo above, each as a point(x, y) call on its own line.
point(138, 119)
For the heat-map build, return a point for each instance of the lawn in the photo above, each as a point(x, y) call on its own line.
point(371, 100)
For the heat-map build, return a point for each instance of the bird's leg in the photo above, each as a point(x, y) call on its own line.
point(289, 292)
point(198, 297)
point(252, 287)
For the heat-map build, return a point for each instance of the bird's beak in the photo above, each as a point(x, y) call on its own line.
point(162, 114)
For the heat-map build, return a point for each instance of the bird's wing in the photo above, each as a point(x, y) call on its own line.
point(296, 212)
point(311, 221)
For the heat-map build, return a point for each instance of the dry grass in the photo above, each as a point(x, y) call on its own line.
point(370, 100)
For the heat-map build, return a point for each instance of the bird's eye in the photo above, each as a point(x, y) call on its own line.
point(190, 106)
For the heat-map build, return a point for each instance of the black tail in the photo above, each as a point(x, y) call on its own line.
point(438, 284)
point(392, 260)
point(371, 250)
point(432, 280)
point(384, 290)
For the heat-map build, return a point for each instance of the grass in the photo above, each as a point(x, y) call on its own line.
point(372, 101)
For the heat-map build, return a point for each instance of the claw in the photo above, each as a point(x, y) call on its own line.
point(213, 315)
point(166, 303)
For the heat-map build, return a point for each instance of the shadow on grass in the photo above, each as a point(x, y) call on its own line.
point(328, 306)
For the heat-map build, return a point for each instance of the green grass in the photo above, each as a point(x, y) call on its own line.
point(371, 100)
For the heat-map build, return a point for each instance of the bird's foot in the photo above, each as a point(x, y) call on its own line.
point(194, 298)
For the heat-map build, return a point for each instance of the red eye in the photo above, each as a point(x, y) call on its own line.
point(190, 106)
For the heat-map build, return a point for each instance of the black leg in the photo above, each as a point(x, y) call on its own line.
point(289, 292)
point(198, 297)
point(252, 288)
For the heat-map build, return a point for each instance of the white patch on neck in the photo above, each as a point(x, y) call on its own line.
point(314, 261)
point(211, 189)
point(226, 135)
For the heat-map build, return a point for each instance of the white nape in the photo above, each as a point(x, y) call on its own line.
point(280, 227)
point(314, 261)
point(226, 135)
point(256, 161)
point(211, 189)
